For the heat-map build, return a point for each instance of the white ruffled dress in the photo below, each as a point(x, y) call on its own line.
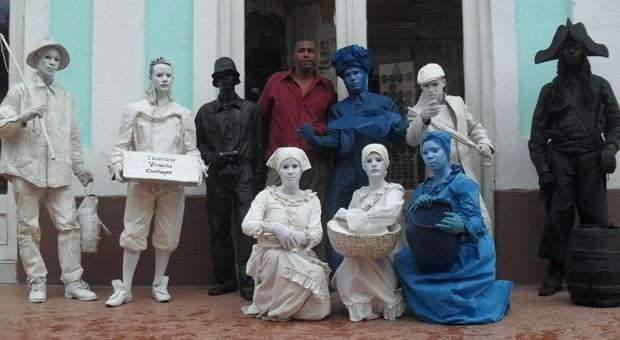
point(288, 284)
point(368, 287)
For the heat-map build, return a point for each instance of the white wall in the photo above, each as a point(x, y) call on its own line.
point(601, 20)
point(118, 79)
point(513, 168)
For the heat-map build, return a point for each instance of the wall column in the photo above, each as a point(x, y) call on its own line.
point(351, 28)
point(479, 95)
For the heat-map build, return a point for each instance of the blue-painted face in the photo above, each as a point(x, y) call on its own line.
point(356, 80)
point(434, 157)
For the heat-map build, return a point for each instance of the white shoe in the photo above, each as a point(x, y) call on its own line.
point(121, 294)
point(79, 290)
point(160, 291)
point(37, 290)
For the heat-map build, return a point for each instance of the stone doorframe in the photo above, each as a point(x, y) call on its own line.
point(8, 218)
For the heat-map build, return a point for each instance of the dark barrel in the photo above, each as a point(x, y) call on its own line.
point(593, 266)
point(434, 250)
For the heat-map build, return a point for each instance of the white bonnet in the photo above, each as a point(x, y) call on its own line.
point(282, 154)
point(378, 148)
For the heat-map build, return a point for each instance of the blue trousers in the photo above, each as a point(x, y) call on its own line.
point(346, 178)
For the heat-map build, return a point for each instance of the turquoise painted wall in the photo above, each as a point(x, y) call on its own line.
point(169, 29)
point(71, 24)
point(536, 24)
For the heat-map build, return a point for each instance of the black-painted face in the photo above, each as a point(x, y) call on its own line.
point(226, 80)
point(572, 53)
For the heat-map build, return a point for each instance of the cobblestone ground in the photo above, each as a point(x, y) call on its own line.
point(192, 314)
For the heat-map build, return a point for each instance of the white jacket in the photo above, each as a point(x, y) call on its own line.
point(463, 122)
point(166, 129)
point(24, 151)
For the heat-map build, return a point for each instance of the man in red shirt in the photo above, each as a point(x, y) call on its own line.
point(292, 98)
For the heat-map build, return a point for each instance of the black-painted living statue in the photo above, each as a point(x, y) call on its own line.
point(228, 133)
point(574, 139)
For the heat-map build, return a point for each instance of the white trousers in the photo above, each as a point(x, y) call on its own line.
point(166, 204)
point(60, 204)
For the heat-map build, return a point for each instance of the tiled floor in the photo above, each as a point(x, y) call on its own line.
point(192, 314)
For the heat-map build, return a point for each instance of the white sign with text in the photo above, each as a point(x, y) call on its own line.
point(161, 168)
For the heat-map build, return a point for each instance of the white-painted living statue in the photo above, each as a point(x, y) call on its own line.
point(153, 124)
point(437, 111)
point(368, 287)
point(38, 176)
point(290, 281)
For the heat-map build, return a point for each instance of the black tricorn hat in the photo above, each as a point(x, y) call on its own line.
point(224, 64)
point(576, 32)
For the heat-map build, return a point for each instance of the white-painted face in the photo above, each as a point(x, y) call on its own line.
point(48, 63)
point(374, 165)
point(161, 77)
point(290, 171)
point(434, 88)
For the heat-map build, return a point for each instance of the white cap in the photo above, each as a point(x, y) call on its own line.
point(430, 72)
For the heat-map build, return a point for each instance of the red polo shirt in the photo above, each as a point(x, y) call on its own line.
point(284, 109)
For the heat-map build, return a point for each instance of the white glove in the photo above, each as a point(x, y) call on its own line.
point(300, 238)
point(283, 233)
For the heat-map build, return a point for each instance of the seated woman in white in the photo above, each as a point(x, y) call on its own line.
point(367, 286)
point(290, 281)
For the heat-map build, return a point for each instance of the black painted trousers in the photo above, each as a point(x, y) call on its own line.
point(580, 184)
point(228, 201)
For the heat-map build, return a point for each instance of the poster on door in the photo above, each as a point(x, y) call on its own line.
point(398, 82)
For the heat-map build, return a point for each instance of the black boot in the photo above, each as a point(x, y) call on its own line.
point(247, 289)
point(553, 281)
point(223, 288)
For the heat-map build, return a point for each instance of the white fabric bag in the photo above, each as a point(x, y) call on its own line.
point(90, 223)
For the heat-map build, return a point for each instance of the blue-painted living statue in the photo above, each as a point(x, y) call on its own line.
point(358, 120)
point(574, 112)
point(466, 292)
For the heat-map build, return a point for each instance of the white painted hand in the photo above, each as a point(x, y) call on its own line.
point(300, 238)
point(85, 177)
point(341, 214)
point(484, 149)
point(118, 175)
point(430, 107)
point(32, 112)
point(283, 233)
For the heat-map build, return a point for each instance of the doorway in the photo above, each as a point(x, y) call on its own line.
point(271, 29)
point(403, 36)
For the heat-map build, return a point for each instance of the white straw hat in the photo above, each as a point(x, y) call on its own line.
point(33, 57)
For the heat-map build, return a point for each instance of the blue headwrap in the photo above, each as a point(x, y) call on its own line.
point(440, 138)
point(351, 56)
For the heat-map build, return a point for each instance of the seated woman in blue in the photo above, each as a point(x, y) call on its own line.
point(467, 292)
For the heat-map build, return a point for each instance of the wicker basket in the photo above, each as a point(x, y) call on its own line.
point(375, 246)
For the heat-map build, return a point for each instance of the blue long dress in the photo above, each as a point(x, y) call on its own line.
point(467, 293)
